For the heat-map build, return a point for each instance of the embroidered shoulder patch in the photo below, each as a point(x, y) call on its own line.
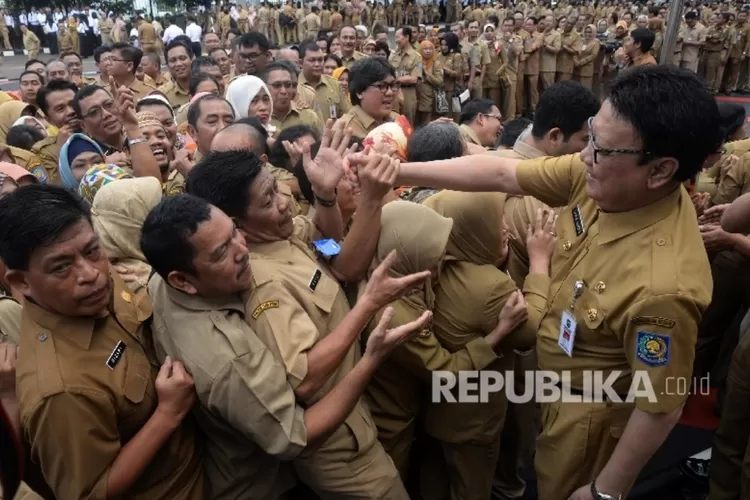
point(653, 320)
point(39, 172)
point(270, 304)
point(652, 349)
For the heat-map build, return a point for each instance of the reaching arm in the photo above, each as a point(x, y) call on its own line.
point(474, 173)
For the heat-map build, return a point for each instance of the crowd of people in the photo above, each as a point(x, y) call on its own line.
point(237, 278)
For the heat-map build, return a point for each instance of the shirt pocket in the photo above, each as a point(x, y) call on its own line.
point(137, 376)
point(325, 292)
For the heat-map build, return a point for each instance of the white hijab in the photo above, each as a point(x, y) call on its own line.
point(241, 92)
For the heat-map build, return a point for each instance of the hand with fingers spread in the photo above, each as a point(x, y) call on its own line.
point(700, 202)
point(327, 168)
point(124, 103)
point(383, 340)
point(175, 390)
point(8, 359)
point(377, 176)
point(713, 215)
point(541, 239)
point(382, 288)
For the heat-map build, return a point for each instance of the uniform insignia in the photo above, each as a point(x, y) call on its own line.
point(126, 296)
point(315, 280)
point(578, 221)
point(652, 348)
point(39, 172)
point(116, 355)
point(653, 320)
point(269, 304)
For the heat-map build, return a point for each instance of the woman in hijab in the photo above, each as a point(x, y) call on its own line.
point(454, 67)
point(341, 75)
point(12, 111)
point(249, 96)
point(469, 295)
point(432, 79)
point(368, 47)
point(419, 236)
point(656, 25)
point(583, 62)
point(77, 155)
point(97, 177)
point(118, 213)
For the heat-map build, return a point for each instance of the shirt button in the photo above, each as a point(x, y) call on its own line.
point(42, 337)
point(661, 242)
point(567, 246)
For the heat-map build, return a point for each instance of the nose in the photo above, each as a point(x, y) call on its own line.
point(86, 273)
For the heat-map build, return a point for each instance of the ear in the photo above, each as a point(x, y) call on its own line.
point(17, 281)
point(555, 136)
point(662, 172)
point(192, 132)
point(181, 282)
point(241, 227)
point(264, 158)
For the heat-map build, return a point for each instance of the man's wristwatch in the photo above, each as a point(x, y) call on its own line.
point(602, 496)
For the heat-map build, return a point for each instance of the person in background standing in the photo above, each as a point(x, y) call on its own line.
point(30, 42)
point(194, 32)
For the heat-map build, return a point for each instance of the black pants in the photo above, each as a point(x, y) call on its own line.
point(197, 50)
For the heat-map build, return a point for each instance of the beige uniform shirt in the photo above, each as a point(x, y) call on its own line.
point(175, 94)
point(48, 152)
point(349, 61)
point(469, 135)
point(571, 40)
point(330, 100)
point(10, 320)
point(692, 40)
point(297, 116)
point(553, 40)
point(247, 408)
point(637, 309)
point(360, 122)
point(79, 404)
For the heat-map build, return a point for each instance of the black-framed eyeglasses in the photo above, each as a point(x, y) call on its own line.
point(385, 86)
point(490, 115)
point(610, 152)
point(250, 56)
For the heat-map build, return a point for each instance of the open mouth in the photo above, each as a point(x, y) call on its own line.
point(159, 153)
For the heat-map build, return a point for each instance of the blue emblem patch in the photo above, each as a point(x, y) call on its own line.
point(652, 349)
point(40, 174)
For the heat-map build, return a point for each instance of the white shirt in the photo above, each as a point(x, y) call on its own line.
point(194, 32)
point(34, 18)
point(24, 19)
point(171, 33)
point(50, 29)
point(9, 21)
point(41, 17)
point(58, 16)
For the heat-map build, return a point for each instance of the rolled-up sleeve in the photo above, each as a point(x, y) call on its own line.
point(552, 180)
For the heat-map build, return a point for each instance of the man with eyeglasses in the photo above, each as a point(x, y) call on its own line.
point(330, 101)
point(179, 61)
point(481, 122)
point(251, 53)
point(124, 62)
point(283, 87)
point(630, 278)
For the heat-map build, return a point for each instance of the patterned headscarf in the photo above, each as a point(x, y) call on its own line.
point(97, 176)
point(395, 133)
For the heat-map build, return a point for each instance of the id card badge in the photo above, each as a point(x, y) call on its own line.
point(332, 111)
point(567, 333)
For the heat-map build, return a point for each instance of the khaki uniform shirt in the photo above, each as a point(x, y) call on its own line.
point(65, 42)
point(739, 41)
point(247, 408)
point(297, 116)
point(572, 40)
point(696, 34)
point(635, 311)
point(30, 162)
point(175, 95)
point(48, 152)
point(163, 79)
point(175, 184)
point(330, 100)
point(140, 89)
point(79, 404)
point(305, 97)
point(469, 135)
point(533, 53)
point(717, 39)
point(360, 122)
point(10, 320)
point(468, 300)
point(407, 63)
point(291, 308)
point(509, 55)
point(552, 39)
point(349, 61)
point(147, 34)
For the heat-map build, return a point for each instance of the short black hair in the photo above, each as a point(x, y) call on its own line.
point(474, 108)
point(197, 78)
point(53, 86)
point(100, 51)
point(565, 105)
point(129, 53)
point(380, 45)
point(278, 157)
point(643, 36)
point(364, 73)
point(276, 66)
point(672, 111)
point(35, 216)
point(150, 101)
point(201, 62)
point(223, 178)
point(306, 47)
point(194, 110)
point(335, 58)
point(218, 48)
point(253, 39)
point(732, 117)
point(76, 54)
point(406, 31)
point(27, 72)
point(178, 43)
point(512, 129)
point(86, 91)
point(166, 232)
point(33, 61)
point(23, 136)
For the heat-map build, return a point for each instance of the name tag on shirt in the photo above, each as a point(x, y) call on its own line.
point(578, 221)
point(332, 110)
point(116, 355)
point(315, 280)
point(567, 337)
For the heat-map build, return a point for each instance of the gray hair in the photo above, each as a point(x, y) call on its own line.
point(53, 61)
point(435, 141)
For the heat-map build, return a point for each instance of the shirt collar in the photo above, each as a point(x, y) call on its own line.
point(198, 303)
point(366, 120)
point(613, 226)
point(470, 134)
point(525, 149)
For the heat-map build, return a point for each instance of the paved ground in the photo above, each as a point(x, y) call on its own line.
point(13, 67)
